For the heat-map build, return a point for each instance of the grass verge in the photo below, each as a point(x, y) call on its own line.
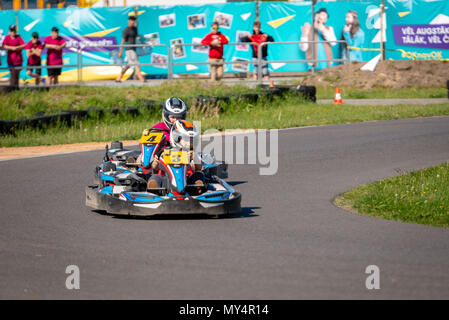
point(290, 111)
point(383, 93)
point(418, 197)
point(26, 103)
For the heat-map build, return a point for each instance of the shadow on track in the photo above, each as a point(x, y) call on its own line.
point(247, 212)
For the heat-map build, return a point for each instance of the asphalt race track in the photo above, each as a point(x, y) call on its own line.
point(290, 242)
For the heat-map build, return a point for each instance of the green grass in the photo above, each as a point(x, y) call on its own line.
point(418, 197)
point(25, 103)
point(383, 93)
point(290, 111)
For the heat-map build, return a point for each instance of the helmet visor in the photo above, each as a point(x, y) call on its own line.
point(175, 117)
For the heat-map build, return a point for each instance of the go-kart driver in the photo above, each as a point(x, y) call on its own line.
point(173, 109)
point(182, 134)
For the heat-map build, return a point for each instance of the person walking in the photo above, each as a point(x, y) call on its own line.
point(215, 40)
point(129, 36)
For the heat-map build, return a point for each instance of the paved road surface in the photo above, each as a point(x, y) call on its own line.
point(291, 242)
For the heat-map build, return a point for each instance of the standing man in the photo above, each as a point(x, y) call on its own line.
point(259, 37)
point(34, 51)
point(14, 44)
point(129, 36)
point(54, 45)
point(215, 40)
point(325, 36)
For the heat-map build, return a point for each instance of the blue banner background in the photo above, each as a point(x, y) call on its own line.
point(413, 12)
point(282, 20)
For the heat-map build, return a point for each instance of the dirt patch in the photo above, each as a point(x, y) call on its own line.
point(36, 151)
point(344, 204)
point(388, 74)
point(26, 152)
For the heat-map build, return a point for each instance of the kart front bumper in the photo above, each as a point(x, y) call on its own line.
point(188, 205)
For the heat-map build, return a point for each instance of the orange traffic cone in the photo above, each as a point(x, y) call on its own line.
point(271, 84)
point(338, 99)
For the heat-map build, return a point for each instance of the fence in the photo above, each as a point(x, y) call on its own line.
point(136, 46)
point(170, 64)
point(259, 62)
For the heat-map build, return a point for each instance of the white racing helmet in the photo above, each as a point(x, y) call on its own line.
point(184, 135)
point(173, 107)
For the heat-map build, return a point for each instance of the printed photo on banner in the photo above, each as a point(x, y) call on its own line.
point(178, 48)
point(152, 38)
point(224, 20)
point(143, 51)
point(323, 32)
point(239, 35)
point(354, 36)
point(160, 60)
point(167, 20)
point(2, 37)
point(198, 47)
point(241, 67)
point(196, 21)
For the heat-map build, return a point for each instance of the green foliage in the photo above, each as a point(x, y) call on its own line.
point(419, 197)
point(25, 103)
point(382, 93)
point(268, 112)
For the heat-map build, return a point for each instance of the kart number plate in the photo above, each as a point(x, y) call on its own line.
point(152, 138)
point(176, 157)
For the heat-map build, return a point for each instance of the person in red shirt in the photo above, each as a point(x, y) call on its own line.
point(259, 37)
point(215, 40)
point(34, 51)
point(14, 44)
point(54, 45)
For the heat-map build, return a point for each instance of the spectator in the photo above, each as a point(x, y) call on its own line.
point(34, 51)
point(54, 45)
point(14, 44)
point(215, 40)
point(325, 34)
point(353, 35)
point(259, 37)
point(129, 36)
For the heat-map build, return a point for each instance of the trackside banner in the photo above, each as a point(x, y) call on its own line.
point(419, 29)
point(292, 21)
point(425, 36)
point(415, 29)
point(181, 25)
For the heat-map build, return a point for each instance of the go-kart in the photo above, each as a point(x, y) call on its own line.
point(120, 183)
